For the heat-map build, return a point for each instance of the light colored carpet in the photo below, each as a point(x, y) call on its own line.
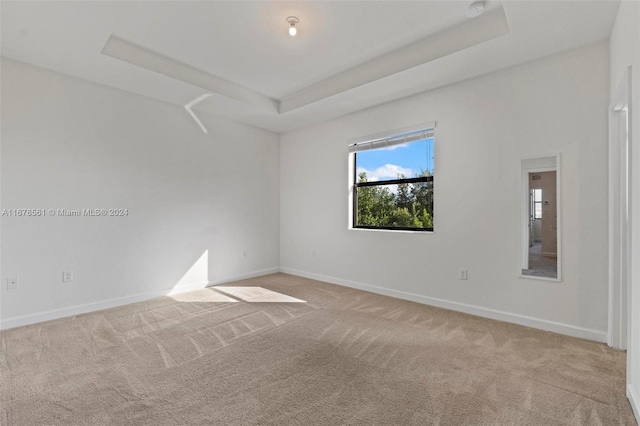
point(345, 357)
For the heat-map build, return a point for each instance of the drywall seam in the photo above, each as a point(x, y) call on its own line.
point(541, 324)
point(112, 303)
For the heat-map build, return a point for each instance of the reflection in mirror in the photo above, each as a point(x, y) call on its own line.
point(540, 218)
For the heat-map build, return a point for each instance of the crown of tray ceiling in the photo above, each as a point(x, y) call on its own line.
point(346, 56)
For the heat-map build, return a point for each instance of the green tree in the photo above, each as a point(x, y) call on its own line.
point(426, 219)
point(404, 198)
point(375, 204)
point(422, 194)
point(410, 207)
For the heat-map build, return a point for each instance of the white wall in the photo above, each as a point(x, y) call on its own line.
point(484, 127)
point(624, 51)
point(71, 144)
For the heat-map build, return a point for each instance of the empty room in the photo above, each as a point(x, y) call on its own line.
point(320, 212)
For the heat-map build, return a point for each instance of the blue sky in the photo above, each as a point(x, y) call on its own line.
point(385, 163)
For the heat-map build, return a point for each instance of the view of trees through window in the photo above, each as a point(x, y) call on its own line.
point(394, 187)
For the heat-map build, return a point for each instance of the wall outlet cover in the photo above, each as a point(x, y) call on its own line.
point(12, 283)
point(462, 274)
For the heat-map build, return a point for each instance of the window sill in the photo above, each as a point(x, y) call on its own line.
point(398, 231)
point(533, 277)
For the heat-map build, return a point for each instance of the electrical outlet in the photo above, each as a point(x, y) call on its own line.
point(462, 274)
point(12, 283)
point(244, 253)
point(313, 252)
point(67, 276)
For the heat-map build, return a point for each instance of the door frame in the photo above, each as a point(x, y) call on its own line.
point(620, 198)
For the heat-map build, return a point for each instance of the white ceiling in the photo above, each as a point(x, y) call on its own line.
point(347, 55)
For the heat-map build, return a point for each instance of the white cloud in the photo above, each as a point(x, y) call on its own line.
point(394, 147)
point(393, 189)
point(386, 172)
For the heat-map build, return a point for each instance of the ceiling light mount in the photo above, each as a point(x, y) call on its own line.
point(292, 20)
point(475, 9)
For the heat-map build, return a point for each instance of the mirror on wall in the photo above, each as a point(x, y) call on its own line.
point(540, 219)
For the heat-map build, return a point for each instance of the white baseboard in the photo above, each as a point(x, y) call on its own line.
point(246, 276)
point(542, 324)
point(112, 303)
point(441, 303)
point(635, 402)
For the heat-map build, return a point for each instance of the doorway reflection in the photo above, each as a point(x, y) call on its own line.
point(542, 260)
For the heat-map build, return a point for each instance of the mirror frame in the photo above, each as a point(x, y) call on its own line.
point(534, 165)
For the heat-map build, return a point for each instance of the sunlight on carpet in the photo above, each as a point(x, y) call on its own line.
point(258, 294)
point(204, 295)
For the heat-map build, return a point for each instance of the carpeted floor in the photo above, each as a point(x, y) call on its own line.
point(342, 357)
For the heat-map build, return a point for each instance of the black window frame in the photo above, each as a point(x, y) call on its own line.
point(383, 183)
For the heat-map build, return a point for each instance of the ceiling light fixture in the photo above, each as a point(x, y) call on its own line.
point(292, 20)
point(475, 9)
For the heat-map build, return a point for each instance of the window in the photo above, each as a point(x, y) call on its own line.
point(392, 186)
point(537, 203)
